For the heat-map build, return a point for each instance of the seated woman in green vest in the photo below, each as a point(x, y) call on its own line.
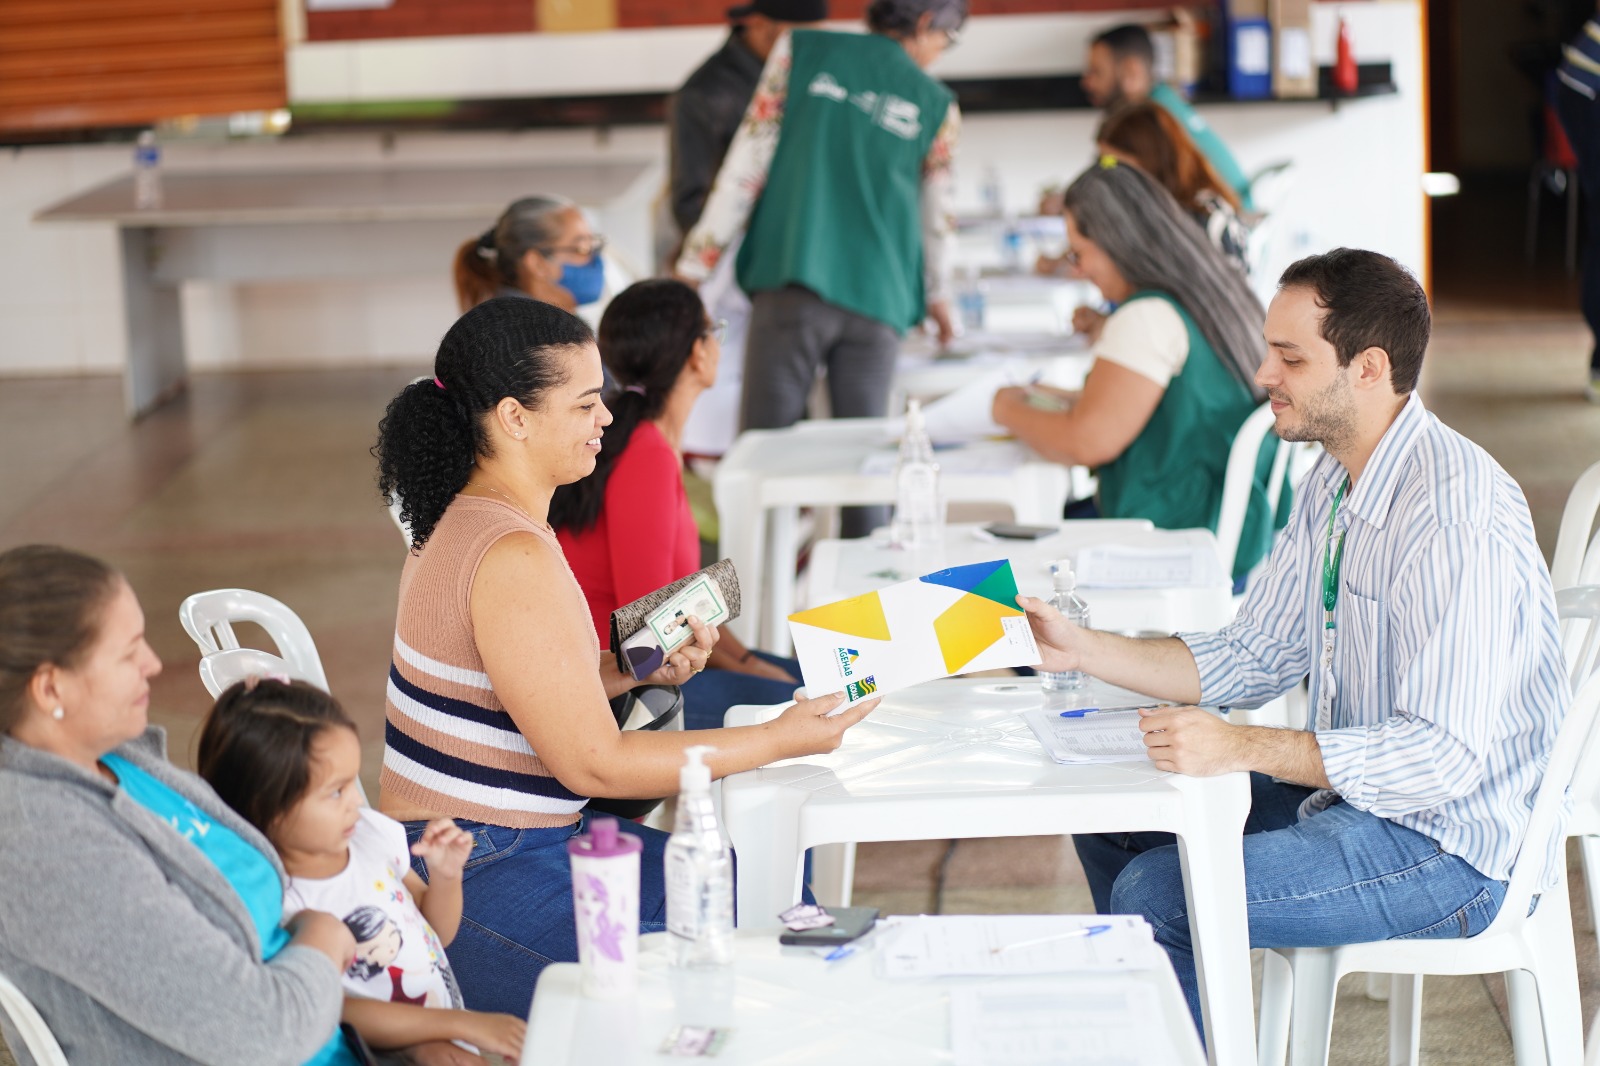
point(1174, 369)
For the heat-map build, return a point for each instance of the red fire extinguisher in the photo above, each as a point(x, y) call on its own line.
point(1345, 77)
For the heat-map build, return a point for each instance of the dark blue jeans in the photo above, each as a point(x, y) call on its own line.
point(1341, 876)
point(1580, 119)
point(708, 695)
point(517, 908)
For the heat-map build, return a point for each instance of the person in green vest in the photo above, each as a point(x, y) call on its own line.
point(1173, 377)
point(838, 180)
point(1121, 70)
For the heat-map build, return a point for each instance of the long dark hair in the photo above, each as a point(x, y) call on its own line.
point(255, 745)
point(434, 431)
point(50, 599)
point(1155, 245)
point(646, 337)
point(1147, 135)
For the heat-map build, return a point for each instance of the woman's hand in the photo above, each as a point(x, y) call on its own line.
point(322, 932)
point(756, 666)
point(808, 728)
point(1089, 322)
point(1060, 641)
point(1007, 403)
point(689, 659)
point(500, 1033)
point(445, 847)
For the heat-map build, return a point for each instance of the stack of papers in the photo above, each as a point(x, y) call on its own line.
point(1113, 566)
point(1104, 736)
point(992, 945)
point(1106, 1022)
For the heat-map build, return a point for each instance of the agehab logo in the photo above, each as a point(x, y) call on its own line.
point(847, 661)
point(856, 690)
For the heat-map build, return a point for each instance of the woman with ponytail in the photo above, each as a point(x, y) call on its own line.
point(541, 247)
point(498, 712)
point(627, 528)
point(1174, 371)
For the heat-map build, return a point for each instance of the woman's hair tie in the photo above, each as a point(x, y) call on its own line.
point(636, 389)
point(486, 246)
point(439, 383)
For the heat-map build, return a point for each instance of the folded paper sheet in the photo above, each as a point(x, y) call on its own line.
point(953, 621)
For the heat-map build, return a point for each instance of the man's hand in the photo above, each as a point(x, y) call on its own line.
point(1060, 641)
point(445, 847)
point(1188, 740)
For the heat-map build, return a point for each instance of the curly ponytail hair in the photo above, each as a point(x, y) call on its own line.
point(433, 432)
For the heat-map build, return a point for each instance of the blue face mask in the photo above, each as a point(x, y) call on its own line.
point(584, 282)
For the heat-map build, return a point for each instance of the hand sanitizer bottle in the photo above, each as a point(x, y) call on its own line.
point(147, 172)
point(699, 872)
point(1070, 604)
point(918, 506)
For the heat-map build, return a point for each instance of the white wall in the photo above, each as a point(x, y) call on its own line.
point(1357, 181)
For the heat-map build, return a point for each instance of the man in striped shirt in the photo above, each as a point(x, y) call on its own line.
point(1408, 585)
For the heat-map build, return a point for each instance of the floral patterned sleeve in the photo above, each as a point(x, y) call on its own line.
point(744, 170)
point(936, 181)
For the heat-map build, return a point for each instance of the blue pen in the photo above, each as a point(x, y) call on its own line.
point(1084, 931)
point(845, 950)
point(1081, 711)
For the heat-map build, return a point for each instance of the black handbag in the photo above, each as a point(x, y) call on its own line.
point(645, 707)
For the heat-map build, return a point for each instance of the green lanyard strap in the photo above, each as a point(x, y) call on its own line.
point(1332, 559)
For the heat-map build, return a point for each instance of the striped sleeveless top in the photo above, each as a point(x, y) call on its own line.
point(449, 745)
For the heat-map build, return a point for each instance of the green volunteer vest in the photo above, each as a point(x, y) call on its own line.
point(1172, 473)
point(841, 213)
point(1205, 139)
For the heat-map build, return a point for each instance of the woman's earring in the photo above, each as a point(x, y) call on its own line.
point(59, 713)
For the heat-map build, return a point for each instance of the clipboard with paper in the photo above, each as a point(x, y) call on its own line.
point(955, 621)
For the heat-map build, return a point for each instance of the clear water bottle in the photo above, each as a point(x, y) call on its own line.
point(1071, 605)
point(699, 872)
point(993, 198)
point(1011, 250)
point(918, 505)
point(969, 300)
point(147, 172)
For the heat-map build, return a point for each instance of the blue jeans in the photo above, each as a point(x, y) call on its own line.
point(516, 915)
point(1341, 876)
point(708, 695)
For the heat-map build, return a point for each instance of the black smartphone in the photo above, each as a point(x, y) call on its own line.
point(1012, 531)
point(848, 923)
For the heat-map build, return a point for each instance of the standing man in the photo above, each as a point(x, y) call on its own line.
point(1121, 70)
point(703, 117)
point(1408, 584)
point(837, 177)
point(1577, 86)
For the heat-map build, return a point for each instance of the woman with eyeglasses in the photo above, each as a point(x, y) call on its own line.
point(1173, 377)
point(838, 180)
point(541, 247)
point(627, 529)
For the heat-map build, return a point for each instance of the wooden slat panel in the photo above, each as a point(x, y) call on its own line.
point(89, 63)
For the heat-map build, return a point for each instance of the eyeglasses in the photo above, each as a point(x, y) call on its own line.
point(951, 38)
point(587, 247)
point(717, 330)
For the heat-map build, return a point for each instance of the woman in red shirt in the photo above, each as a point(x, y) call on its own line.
point(627, 529)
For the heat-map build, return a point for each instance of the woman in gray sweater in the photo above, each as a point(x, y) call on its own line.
point(141, 916)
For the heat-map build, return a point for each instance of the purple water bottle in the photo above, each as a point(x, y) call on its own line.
point(605, 900)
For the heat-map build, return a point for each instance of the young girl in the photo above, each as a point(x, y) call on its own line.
point(286, 757)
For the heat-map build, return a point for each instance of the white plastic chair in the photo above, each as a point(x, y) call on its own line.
point(1576, 555)
point(36, 1036)
point(208, 618)
point(1240, 478)
point(1534, 952)
point(221, 669)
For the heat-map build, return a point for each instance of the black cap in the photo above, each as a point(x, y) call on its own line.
point(783, 10)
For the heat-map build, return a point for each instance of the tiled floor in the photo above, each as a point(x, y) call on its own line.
point(264, 481)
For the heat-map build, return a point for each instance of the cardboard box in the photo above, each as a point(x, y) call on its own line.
point(1294, 66)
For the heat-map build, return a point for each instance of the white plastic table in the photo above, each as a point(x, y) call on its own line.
point(769, 474)
point(954, 759)
point(925, 373)
point(844, 568)
point(786, 1005)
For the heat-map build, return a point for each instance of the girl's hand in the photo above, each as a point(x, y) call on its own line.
point(325, 933)
point(444, 847)
point(689, 659)
point(809, 729)
point(500, 1033)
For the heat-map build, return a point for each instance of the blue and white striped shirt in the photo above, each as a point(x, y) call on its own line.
point(1449, 683)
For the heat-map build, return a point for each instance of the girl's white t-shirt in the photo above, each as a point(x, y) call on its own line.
point(398, 956)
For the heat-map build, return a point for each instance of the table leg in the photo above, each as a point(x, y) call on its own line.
point(783, 552)
point(156, 367)
point(1213, 878)
point(743, 539)
point(763, 823)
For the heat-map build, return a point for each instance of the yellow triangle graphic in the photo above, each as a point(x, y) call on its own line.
point(859, 616)
point(968, 628)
